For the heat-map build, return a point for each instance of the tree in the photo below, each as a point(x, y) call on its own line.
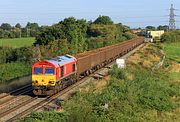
point(15, 33)
point(32, 29)
point(6, 26)
point(71, 29)
point(49, 34)
point(18, 25)
point(103, 20)
point(150, 28)
point(75, 31)
point(165, 27)
point(32, 25)
point(125, 28)
point(1, 33)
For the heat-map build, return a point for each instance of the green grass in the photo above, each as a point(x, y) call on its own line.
point(17, 42)
point(172, 51)
point(175, 76)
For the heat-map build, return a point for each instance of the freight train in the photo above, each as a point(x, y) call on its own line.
point(51, 76)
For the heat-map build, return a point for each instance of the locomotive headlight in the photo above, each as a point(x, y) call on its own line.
point(35, 81)
point(51, 82)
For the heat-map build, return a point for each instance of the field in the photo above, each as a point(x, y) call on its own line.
point(17, 42)
point(172, 51)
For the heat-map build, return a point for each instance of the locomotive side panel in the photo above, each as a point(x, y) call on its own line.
point(69, 69)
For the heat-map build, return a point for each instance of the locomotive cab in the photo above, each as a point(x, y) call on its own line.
point(43, 76)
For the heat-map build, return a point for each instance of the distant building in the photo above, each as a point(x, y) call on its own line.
point(155, 34)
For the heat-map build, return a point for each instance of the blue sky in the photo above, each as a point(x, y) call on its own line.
point(134, 13)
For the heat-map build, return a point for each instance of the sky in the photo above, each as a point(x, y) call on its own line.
point(134, 13)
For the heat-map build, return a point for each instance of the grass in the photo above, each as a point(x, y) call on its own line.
point(17, 42)
point(172, 51)
point(175, 76)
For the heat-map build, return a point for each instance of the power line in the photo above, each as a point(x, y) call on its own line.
point(172, 25)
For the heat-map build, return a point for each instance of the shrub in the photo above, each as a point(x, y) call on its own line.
point(13, 70)
point(45, 117)
point(172, 36)
point(117, 72)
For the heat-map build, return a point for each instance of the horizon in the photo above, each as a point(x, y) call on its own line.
point(138, 14)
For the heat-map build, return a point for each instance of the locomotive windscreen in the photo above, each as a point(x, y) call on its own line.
point(49, 71)
point(38, 70)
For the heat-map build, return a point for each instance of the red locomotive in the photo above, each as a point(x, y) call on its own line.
point(52, 75)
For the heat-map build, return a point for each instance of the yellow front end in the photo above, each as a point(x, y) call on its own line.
point(46, 80)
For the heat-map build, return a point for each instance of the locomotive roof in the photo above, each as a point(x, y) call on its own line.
point(61, 60)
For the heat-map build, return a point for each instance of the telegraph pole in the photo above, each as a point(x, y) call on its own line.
point(20, 33)
point(172, 25)
point(28, 32)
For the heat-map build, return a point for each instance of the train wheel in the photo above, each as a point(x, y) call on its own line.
point(98, 67)
point(90, 71)
point(87, 73)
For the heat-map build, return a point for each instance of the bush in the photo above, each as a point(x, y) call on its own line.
point(117, 72)
point(13, 70)
point(8, 54)
point(172, 36)
point(128, 35)
point(45, 117)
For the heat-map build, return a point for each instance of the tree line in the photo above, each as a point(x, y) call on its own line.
point(80, 35)
point(160, 27)
point(17, 31)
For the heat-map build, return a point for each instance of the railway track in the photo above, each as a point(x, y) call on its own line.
point(10, 99)
point(38, 105)
point(32, 104)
